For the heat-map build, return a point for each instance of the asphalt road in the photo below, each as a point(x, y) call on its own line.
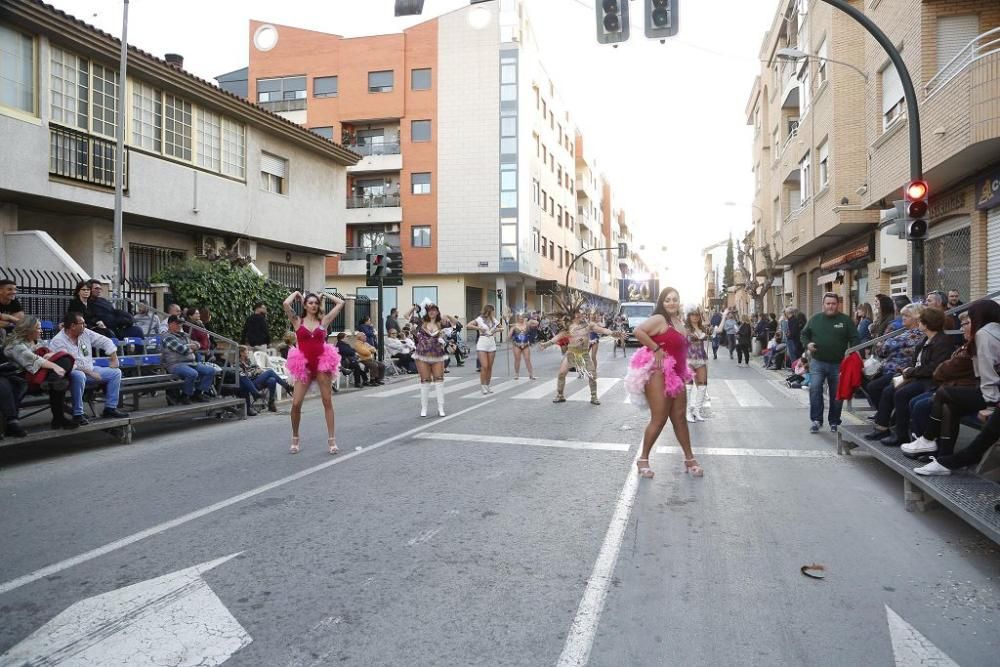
point(512, 532)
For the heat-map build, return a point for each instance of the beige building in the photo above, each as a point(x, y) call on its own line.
point(830, 147)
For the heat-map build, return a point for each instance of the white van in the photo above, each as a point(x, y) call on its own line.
point(634, 313)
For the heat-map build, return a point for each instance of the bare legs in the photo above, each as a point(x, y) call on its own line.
point(325, 381)
point(486, 368)
point(526, 352)
point(519, 354)
point(561, 381)
point(661, 409)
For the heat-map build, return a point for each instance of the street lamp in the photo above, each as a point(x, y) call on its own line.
point(796, 54)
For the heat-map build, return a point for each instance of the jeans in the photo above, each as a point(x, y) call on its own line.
point(920, 412)
point(731, 343)
point(820, 373)
point(974, 452)
point(12, 390)
point(268, 379)
point(111, 378)
point(715, 346)
point(794, 350)
point(203, 373)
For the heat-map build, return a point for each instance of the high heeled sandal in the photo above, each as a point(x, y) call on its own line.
point(691, 467)
point(331, 443)
point(294, 449)
point(645, 471)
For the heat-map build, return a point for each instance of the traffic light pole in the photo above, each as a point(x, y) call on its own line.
point(913, 122)
point(379, 322)
point(570, 267)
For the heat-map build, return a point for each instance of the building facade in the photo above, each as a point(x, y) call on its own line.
point(830, 150)
point(471, 162)
point(206, 173)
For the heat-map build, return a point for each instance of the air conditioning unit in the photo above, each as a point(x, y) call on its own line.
point(244, 249)
point(211, 246)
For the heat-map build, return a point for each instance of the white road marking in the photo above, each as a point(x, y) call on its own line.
point(449, 386)
point(744, 451)
point(497, 388)
point(580, 639)
point(511, 440)
point(604, 385)
point(912, 649)
point(746, 395)
point(175, 619)
point(425, 536)
point(545, 389)
point(55, 568)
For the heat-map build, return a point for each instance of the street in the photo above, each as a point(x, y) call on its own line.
point(508, 533)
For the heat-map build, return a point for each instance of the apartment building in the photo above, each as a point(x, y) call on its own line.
point(205, 172)
point(831, 148)
point(470, 161)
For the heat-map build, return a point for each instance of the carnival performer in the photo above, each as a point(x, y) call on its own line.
point(575, 337)
point(697, 359)
point(312, 359)
point(595, 338)
point(431, 353)
point(656, 378)
point(521, 339)
point(486, 347)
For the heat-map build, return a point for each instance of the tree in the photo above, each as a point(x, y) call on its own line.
point(727, 275)
point(750, 259)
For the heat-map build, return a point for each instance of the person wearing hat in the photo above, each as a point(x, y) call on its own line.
point(178, 358)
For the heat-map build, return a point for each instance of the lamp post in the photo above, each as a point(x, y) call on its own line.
point(116, 251)
point(796, 54)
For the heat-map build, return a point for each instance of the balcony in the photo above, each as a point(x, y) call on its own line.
point(354, 261)
point(376, 157)
point(374, 209)
point(83, 157)
point(282, 106)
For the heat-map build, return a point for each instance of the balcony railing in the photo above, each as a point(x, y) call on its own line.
point(278, 106)
point(357, 252)
point(83, 157)
point(373, 201)
point(384, 148)
point(983, 45)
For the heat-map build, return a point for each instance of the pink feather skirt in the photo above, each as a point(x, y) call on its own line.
point(299, 367)
point(640, 370)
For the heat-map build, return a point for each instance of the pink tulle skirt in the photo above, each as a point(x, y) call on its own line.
point(300, 369)
point(640, 369)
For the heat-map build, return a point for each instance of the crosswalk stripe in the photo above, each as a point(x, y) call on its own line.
point(604, 385)
point(497, 388)
point(449, 386)
point(546, 389)
point(745, 451)
point(746, 395)
point(511, 440)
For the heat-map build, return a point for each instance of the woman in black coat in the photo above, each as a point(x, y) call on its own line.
point(744, 337)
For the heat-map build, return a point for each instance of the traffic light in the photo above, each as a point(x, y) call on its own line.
point(376, 265)
point(612, 21)
point(661, 18)
point(394, 264)
point(622, 250)
point(915, 198)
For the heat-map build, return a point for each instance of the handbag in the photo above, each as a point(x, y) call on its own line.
point(872, 367)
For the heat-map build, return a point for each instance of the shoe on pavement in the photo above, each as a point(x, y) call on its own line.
point(15, 429)
point(114, 413)
point(67, 424)
point(877, 434)
point(198, 397)
point(891, 440)
point(559, 399)
point(932, 468)
point(251, 412)
point(815, 427)
point(920, 446)
point(184, 399)
point(80, 420)
point(834, 428)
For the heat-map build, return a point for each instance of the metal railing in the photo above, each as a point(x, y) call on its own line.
point(981, 46)
point(377, 148)
point(278, 106)
point(374, 201)
point(84, 157)
point(357, 252)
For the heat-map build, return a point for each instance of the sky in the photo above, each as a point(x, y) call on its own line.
point(666, 121)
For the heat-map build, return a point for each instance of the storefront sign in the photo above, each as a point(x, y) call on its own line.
point(988, 192)
point(947, 204)
point(861, 252)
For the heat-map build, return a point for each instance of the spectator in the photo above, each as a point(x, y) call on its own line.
point(80, 342)
point(255, 330)
point(366, 357)
point(80, 304)
point(794, 338)
point(912, 381)
point(172, 309)
point(12, 390)
point(146, 320)
point(956, 372)
point(11, 311)
point(715, 323)
point(366, 328)
point(178, 358)
point(349, 359)
point(392, 321)
point(954, 299)
point(401, 351)
point(254, 379)
point(115, 321)
point(863, 320)
point(760, 331)
point(198, 333)
point(827, 336)
point(774, 355)
point(886, 312)
point(896, 353)
point(899, 301)
point(20, 348)
point(730, 327)
point(744, 338)
point(772, 325)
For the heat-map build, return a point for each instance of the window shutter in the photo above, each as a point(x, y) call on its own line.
point(953, 34)
point(272, 164)
point(892, 88)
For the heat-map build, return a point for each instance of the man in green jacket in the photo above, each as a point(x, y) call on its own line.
point(827, 336)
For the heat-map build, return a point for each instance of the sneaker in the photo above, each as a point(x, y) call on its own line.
point(815, 427)
point(15, 429)
point(920, 446)
point(114, 413)
point(834, 427)
point(932, 468)
point(80, 420)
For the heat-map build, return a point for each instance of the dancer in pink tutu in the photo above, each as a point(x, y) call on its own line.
point(312, 359)
point(656, 378)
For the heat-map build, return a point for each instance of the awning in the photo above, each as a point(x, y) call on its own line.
point(827, 278)
point(842, 260)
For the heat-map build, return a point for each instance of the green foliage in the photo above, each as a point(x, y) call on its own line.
point(229, 292)
point(730, 264)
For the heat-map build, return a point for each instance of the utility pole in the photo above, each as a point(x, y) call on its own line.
point(116, 251)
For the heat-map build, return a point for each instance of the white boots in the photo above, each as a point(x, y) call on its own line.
point(696, 399)
point(690, 402)
point(425, 394)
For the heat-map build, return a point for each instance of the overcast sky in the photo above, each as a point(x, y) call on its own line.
point(666, 121)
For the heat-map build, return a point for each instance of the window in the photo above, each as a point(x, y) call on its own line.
point(84, 95)
point(420, 130)
point(285, 88)
point(560, 248)
point(421, 183)
point(17, 70)
point(145, 261)
point(421, 237)
point(104, 107)
point(69, 77)
point(209, 140)
point(805, 91)
point(508, 186)
point(559, 216)
point(428, 294)
point(420, 79)
point(508, 135)
point(552, 163)
point(234, 149)
point(821, 64)
point(954, 33)
point(552, 206)
point(147, 117)
point(535, 240)
point(552, 250)
point(824, 164)
point(325, 86)
point(508, 92)
point(892, 96)
point(274, 173)
point(559, 176)
point(380, 82)
point(805, 170)
point(545, 247)
point(545, 110)
point(545, 201)
point(292, 276)
point(176, 127)
point(326, 132)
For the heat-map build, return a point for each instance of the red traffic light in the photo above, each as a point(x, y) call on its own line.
point(915, 195)
point(916, 190)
